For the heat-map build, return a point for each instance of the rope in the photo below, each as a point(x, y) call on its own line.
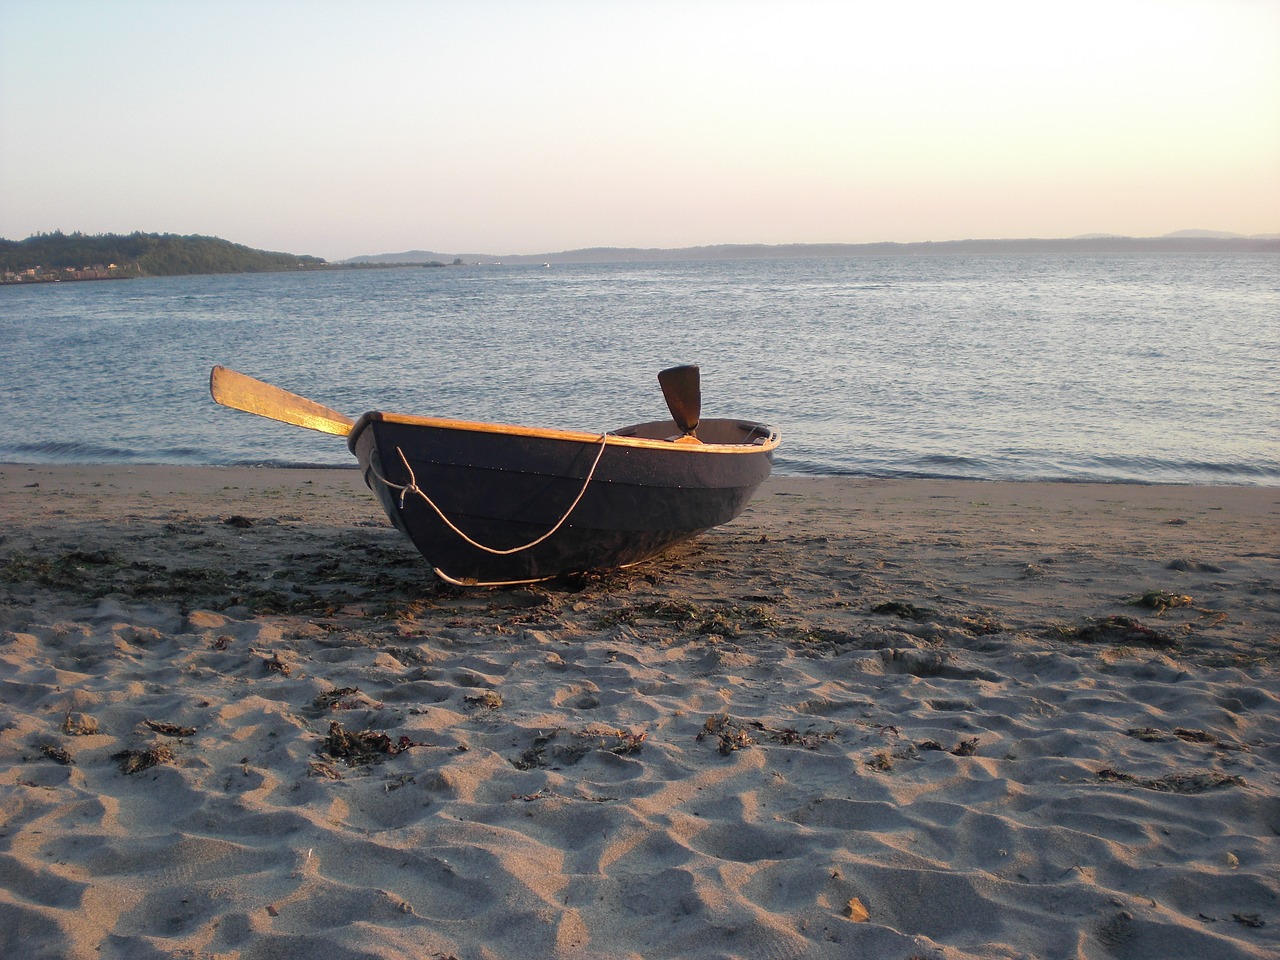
point(412, 487)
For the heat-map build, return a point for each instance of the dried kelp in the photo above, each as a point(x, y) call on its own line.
point(169, 729)
point(340, 698)
point(57, 754)
point(733, 734)
point(1154, 735)
point(79, 725)
point(1174, 782)
point(364, 747)
point(135, 761)
point(1121, 630)
point(902, 609)
point(545, 751)
point(1161, 600)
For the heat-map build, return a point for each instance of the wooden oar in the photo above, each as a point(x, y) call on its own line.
point(241, 392)
point(682, 388)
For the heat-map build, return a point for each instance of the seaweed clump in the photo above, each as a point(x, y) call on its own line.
point(135, 761)
point(363, 748)
point(1122, 630)
point(1174, 782)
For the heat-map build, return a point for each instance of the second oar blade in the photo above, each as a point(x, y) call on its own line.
point(682, 388)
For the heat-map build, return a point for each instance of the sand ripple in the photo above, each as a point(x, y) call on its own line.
point(711, 756)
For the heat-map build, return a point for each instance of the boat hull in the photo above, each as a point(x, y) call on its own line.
point(455, 488)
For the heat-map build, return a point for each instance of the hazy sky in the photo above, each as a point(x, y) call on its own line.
point(341, 128)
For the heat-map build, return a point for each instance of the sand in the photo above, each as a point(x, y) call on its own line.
point(870, 718)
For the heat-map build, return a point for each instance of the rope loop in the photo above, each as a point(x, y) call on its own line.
point(412, 487)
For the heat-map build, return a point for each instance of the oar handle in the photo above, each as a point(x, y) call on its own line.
point(241, 392)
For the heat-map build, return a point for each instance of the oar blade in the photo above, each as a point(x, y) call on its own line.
point(241, 392)
point(682, 388)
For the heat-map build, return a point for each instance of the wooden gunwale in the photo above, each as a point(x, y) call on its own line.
point(768, 441)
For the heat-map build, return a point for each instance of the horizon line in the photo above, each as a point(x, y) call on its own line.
point(1202, 236)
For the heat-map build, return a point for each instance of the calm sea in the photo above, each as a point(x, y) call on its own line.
point(1161, 368)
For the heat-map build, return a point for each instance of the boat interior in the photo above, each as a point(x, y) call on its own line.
point(709, 431)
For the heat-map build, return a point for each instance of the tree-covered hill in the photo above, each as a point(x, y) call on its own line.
point(141, 255)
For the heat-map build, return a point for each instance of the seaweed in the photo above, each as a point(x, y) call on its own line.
point(169, 729)
point(733, 734)
point(902, 609)
point(1121, 630)
point(66, 571)
point(981, 626)
point(363, 748)
point(135, 761)
point(809, 636)
point(533, 754)
point(620, 743)
point(1154, 735)
point(57, 754)
point(789, 736)
point(94, 574)
point(1148, 734)
point(1174, 782)
point(730, 621)
point(668, 611)
point(488, 699)
point(544, 752)
point(1160, 600)
point(881, 761)
point(79, 725)
point(336, 699)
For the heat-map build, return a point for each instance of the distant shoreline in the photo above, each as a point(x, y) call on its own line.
point(21, 280)
point(762, 251)
point(76, 257)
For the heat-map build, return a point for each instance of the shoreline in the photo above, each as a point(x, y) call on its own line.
point(887, 717)
point(779, 473)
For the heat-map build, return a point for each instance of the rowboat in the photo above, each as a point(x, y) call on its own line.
point(494, 505)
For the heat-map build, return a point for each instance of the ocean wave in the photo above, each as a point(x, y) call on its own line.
point(68, 451)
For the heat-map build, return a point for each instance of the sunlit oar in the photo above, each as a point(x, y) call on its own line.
point(242, 392)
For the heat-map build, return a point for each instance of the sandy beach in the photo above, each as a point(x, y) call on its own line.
point(871, 718)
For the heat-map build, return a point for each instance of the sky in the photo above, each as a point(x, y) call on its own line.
point(493, 126)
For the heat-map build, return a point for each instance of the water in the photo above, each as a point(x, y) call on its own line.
point(1158, 368)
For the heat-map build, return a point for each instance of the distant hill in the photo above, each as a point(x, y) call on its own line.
point(1187, 241)
point(1220, 235)
point(47, 256)
point(417, 258)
